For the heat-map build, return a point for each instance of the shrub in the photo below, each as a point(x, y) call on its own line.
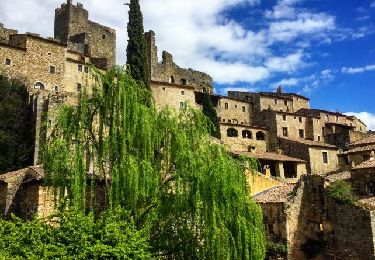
point(342, 191)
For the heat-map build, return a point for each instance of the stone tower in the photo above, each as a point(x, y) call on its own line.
point(73, 27)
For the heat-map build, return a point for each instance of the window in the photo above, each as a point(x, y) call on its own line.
point(285, 131)
point(231, 132)
point(56, 88)
point(318, 138)
point(39, 85)
point(79, 67)
point(301, 133)
point(103, 36)
point(183, 81)
point(275, 101)
point(223, 120)
point(300, 119)
point(8, 61)
point(284, 117)
point(260, 136)
point(366, 157)
point(323, 131)
point(246, 134)
point(182, 105)
point(171, 80)
point(325, 157)
point(79, 86)
point(52, 69)
point(226, 105)
point(243, 109)
point(285, 102)
point(235, 106)
point(86, 69)
point(371, 189)
point(182, 92)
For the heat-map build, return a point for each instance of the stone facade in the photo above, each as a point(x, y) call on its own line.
point(73, 27)
point(168, 72)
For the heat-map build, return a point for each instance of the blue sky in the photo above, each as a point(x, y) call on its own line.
point(323, 49)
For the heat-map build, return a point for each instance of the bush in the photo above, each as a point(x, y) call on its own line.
point(342, 191)
point(74, 236)
point(276, 249)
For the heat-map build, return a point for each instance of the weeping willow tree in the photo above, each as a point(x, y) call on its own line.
point(188, 193)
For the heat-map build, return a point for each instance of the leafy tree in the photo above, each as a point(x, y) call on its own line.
point(74, 236)
point(342, 191)
point(187, 193)
point(16, 126)
point(136, 49)
point(210, 112)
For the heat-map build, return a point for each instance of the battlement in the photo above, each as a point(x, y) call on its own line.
point(168, 72)
point(73, 27)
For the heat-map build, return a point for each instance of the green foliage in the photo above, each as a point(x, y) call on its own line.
point(277, 249)
point(136, 50)
point(16, 126)
point(342, 191)
point(74, 236)
point(188, 194)
point(210, 112)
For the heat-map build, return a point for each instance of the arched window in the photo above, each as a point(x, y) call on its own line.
point(171, 80)
point(39, 85)
point(371, 189)
point(247, 134)
point(260, 136)
point(231, 132)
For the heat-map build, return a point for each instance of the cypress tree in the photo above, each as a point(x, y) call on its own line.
point(210, 112)
point(136, 50)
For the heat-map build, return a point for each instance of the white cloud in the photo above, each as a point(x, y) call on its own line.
point(291, 82)
point(351, 70)
point(197, 34)
point(366, 117)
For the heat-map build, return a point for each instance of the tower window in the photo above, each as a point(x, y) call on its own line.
point(52, 69)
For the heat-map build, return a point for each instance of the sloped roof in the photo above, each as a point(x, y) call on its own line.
point(365, 165)
point(310, 143)
point(23, 175)
point(271, 156)
point(367, 140)
point(275, 195)
point(338, 176)
point(362, 149)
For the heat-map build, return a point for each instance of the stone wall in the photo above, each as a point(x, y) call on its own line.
point(5, 33)
point(275, 221)
point(167, 71)
point(234, 111)
point(243, 142)
point(259, 182)
point(72, 25)
point(317, 166)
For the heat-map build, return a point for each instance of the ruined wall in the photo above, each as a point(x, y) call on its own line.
point(234, 111)
point(241, 143)
point(275, 221)
point(73, 26)
point(167, 71)
point(5, 33)
point(172, 95)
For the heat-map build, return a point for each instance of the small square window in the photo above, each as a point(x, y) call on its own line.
point(243, 109)
point(80, 68)
point(86, 69)
point(284, 117)
point(49, 54)
point(235, 106)
point(103, 36)
point(182, 92)
point(8, 61)
point(163, 88)
point(56, 88)
point(52, 69)
point(79, 86)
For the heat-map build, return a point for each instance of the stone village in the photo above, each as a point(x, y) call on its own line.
point(301, 151)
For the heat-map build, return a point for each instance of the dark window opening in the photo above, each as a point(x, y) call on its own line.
point(171, 80)
point(247, 134)
point(260, 136)
point(285, 102)
point(285, 131)
point(79, 86)
point(182, 92)
point(284, 117)
point(243, 109)
point(80, 68)
point(86, 69)
point(300, 119)
point(52, 69)
point(231, 132)
point(226, 105)
point(103, 36)
point(290, 170)
point(301, 133)
point(371, 189)
point(183, 81)
point(8, 61)
point(325, 157)
point(56, 88)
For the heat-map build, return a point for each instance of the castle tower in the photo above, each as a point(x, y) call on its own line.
point(73, 27)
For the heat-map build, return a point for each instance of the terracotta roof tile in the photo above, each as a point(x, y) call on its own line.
point(271, 157)
point(362, 149)
point(367, 140)
point(274, 195)
point(338, 176)
point(365, 165)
